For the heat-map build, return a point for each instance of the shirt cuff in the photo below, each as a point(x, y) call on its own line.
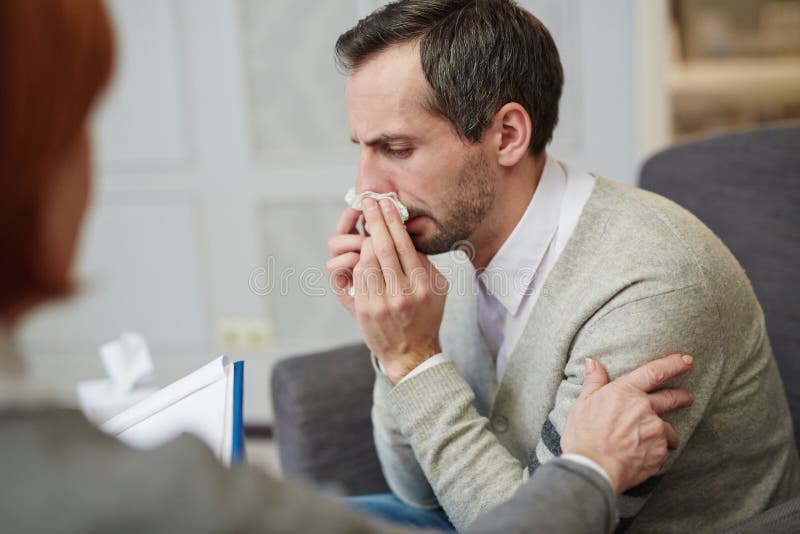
point(436, 359)
point(583, 460)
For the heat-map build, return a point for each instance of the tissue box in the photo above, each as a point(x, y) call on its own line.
point(129, 366)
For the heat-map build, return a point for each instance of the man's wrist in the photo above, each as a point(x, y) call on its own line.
point(433, 361)
point(397, 367)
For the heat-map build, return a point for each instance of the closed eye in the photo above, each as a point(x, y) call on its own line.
point(397, 152)
point(394, 146)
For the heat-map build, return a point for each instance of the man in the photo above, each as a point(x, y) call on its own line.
point(452, 103)
point(60, 474)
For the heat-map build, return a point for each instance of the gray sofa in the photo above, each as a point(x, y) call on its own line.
point(322, 426)
point(745, 187)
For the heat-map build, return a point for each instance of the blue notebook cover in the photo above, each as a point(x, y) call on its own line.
point(237, 444)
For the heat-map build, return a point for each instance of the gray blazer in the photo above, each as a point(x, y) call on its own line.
point(60, 474)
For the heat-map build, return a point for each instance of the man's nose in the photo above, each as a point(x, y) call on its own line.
point(371, 177)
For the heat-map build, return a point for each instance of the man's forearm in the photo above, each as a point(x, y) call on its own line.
point(400, 468)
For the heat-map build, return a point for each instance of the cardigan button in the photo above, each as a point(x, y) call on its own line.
point(500, 424)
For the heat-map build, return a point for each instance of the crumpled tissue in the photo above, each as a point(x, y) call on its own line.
point(354, 201)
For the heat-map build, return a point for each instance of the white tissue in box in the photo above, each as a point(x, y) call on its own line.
point(127, 361)
point(130, 379)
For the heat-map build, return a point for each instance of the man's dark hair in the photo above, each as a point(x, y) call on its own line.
point(477, 56)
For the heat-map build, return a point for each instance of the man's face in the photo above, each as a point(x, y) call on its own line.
point(447, 183)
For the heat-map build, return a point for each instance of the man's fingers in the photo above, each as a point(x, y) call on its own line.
point(383, 245)
point(651, 375)
point(406, 251)
point(343, 262)
point(341, 269)
point(595, 378)
point(671, 435)
point(426, 275)
point(343, 243)
point(360, 292)
point(348, 221)
point(361, 275)
point(373, 278)
point(666, 400)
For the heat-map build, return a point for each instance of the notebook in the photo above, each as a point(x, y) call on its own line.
point(207, 404)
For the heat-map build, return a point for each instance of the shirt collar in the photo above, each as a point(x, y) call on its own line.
point(512, 270)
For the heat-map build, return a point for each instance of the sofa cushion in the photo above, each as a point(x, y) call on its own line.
point(323, 429)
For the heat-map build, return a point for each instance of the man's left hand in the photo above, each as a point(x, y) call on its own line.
point(399, 294)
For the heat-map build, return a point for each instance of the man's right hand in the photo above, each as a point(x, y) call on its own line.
point(619, 425)
point(345, 249)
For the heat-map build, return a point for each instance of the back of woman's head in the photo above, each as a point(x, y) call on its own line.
point(55, 58)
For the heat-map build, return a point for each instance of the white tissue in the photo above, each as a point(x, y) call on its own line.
point(130, 379)
point(354, 201)
point(127, 361)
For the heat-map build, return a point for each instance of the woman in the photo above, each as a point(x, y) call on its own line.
point(59, 474)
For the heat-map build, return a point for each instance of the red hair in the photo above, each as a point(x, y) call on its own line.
point(56, 57)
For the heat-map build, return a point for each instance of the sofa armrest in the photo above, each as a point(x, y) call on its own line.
point(323, 430)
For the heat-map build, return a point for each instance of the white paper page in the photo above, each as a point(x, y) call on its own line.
point(195, 404)
point(227, 433)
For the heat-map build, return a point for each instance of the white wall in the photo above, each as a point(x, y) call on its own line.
point(223, 153)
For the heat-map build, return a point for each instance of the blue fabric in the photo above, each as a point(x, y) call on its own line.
point(387, 507)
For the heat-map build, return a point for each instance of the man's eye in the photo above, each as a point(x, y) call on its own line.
point(398, 152)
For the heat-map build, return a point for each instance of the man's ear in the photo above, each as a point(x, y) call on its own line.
point(511, 131)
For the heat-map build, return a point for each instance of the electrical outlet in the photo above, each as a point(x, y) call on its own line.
point(245, 334)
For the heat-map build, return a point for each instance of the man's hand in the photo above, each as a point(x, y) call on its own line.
point(618, 425)
point(399, 294)
point(345, 249)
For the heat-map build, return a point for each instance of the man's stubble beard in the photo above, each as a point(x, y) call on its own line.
point(469, 201)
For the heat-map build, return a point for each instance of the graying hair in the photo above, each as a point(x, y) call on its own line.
point(477, 56)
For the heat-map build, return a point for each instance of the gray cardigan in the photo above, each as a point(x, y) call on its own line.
point(639, 278)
